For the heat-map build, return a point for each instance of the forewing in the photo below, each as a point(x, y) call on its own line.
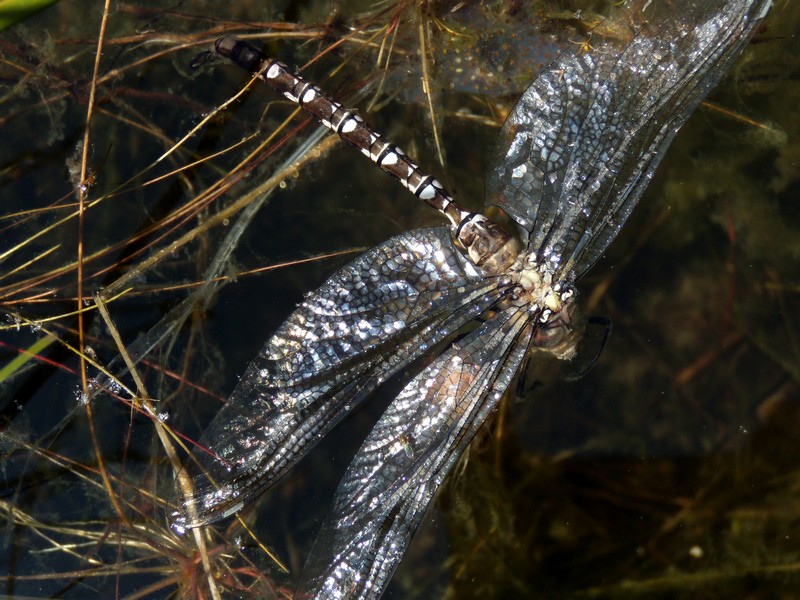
point(369, 319)
point(394, 476)
point(582, 143)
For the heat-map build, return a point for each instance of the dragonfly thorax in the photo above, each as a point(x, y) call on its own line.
point(485, 243)
point(551, 306)
point(540, 290)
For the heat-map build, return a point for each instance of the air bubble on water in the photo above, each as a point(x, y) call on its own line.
point(81, 398)
point(13, 320)
point(163, 417)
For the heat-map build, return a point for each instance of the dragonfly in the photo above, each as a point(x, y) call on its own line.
point(572, 160)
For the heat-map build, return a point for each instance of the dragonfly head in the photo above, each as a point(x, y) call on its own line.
point(560, 331)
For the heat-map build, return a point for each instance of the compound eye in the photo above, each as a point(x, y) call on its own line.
point(551, 331)
point(557, 337)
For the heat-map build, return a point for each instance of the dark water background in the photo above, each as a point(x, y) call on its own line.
point(670, 469)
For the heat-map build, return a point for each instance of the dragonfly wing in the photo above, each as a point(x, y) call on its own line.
point(582, 143)
point(394, 476)
point(407, 294)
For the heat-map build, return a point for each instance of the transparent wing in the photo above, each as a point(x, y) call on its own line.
point(394, 476)
point(406, 295)
point(582, 143)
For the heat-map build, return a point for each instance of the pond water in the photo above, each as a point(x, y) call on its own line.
point(671, 468)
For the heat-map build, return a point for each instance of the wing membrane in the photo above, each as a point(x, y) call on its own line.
point(408, 293)
point(582, 143)
point(394, 476)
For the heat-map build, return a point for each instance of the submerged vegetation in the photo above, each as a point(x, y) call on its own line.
point(144, 260)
